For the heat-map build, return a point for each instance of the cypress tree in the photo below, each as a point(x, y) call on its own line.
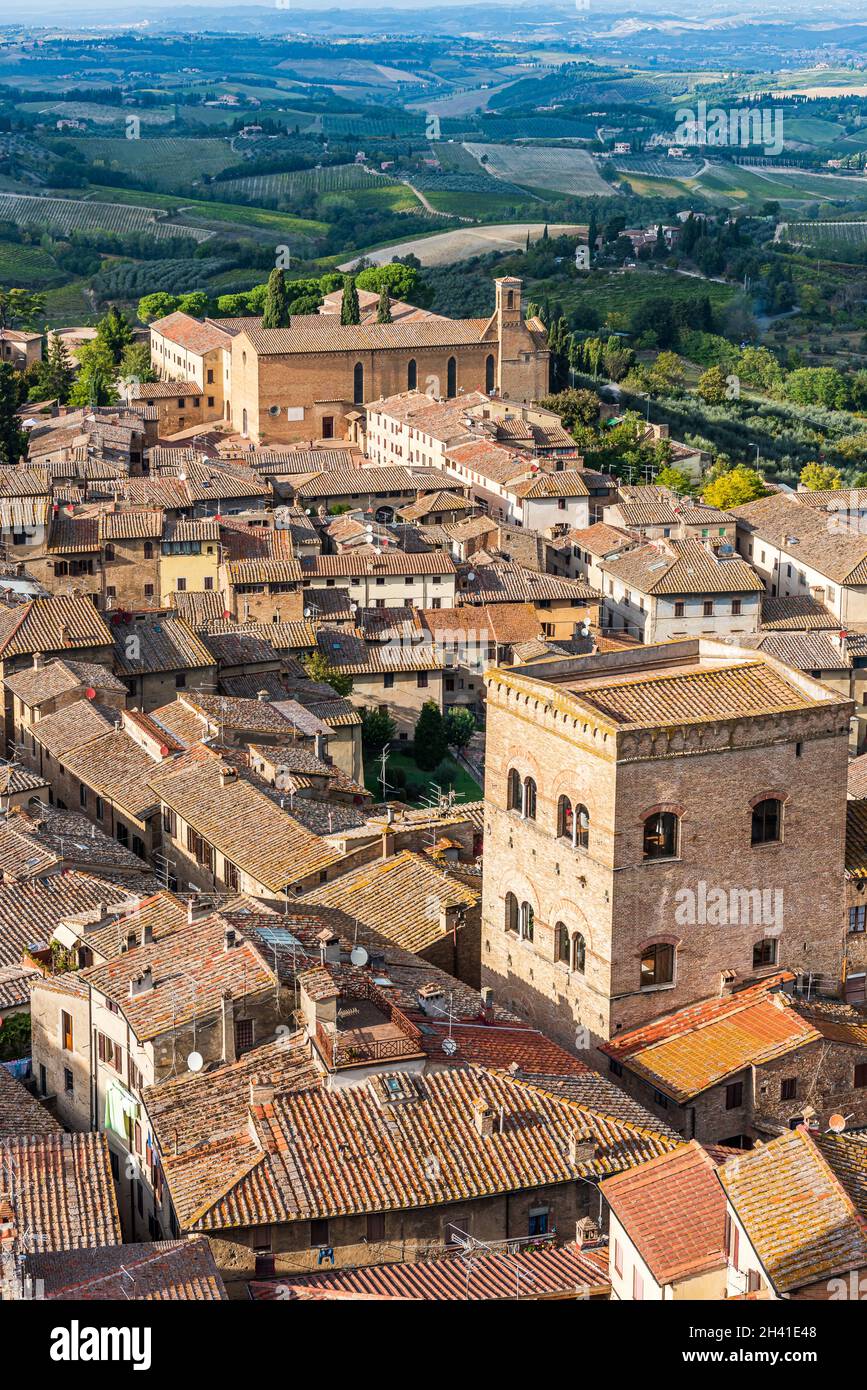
point(383, 312)
point(350, 311)
point(275, 312)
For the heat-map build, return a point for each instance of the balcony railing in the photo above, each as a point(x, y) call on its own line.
point(338, 1052)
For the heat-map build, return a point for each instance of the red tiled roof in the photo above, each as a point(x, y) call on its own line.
point(673, 1211)
point(567, 1272)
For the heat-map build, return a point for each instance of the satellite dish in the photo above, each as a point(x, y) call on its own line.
point(359, 956)
point(837, 1123)
point(195, 1061)
point(91, 693)
point(450, 1047)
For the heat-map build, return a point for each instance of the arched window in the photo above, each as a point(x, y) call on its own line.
point(660, 835)
point(109, 552)
point(582, 827)
point(765, 952)
point(358, 384)
point(452, 377)
point(565, 818)
point(510, 299)
point(529, 798)
point(148, 550)
point(561, 937)
point(579, 952)
point(767, 821)
point(411, 374)
point(511, 919)
point(657, 965)
point(513, 790)
point(489, 373)
point(526, 922)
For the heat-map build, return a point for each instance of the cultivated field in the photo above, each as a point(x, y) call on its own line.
point(74, 214)
point(658, 166)
point(537, 166)
point(840, 234)
point(337, 178)
point(166, 163)
point(445, 248)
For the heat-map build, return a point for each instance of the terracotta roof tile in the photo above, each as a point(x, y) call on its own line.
point(164, 1270)
point(673, 1211)
point(797, 1216)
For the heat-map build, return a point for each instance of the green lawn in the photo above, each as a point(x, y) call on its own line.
point(420, 785)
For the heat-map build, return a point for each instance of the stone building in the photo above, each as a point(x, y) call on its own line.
point(650, 832)
point(747, 1066)
point(303, 382)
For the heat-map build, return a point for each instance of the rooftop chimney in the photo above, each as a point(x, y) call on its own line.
point(430, 999)
point(262, 1090)
point(329, 945)
point(38, 661)
point(230, 939)
point(487, 1003)
point(228, 775)
point(139, 984)
point(147, 933)
point(484, 1118)
point(582, 1146)
point(262, 696)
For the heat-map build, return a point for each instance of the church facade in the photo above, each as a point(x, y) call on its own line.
point(308, 381)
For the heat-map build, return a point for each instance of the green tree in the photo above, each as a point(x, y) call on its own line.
point(13, 440)
point(275, 313)
point(55, 374)
point(14, 1037)
point(759, 367)
point(194, 302)
point(136, 362)
point(95, 383)
point(21, 308)
point(460, 726)
point(156, 306)
point(711, 386)
point(377, 729)
point(319, 668)
point(383, 310)
point(401, 281)
point(734, 488)
point(256, 299)
point(350, 312)
point(666, 375)
point(230, 306)
point(430, 742)
point(821, 477)
point(818, 386)
point(675, 479)
point(576, 407)
point(114, 333)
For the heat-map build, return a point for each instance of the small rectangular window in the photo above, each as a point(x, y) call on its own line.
point(376, 1227)
point(789, 1088)
point(734, 1095)
point(68, 1081)
point(66, 1030)
point(318, 1233)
